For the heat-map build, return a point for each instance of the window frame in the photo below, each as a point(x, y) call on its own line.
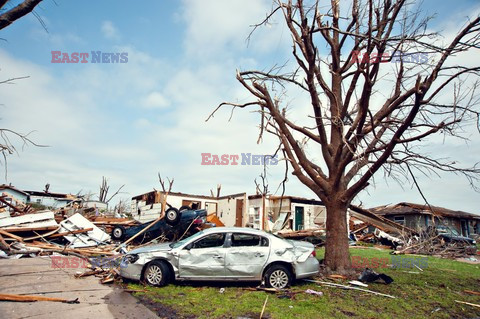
point(260, 244)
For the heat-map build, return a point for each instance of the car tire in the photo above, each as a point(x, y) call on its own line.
point(184, 207)
point(172, 216)
point(278, 277)
point(157, 274)
point(118, 233)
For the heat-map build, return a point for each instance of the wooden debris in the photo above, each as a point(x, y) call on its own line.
point(89, 273)
point(331, 284)
point(272, 290)
point(468, 303)
point(33, 298)
point(26, 229)
point(472, 292)
point(79, 231)
point(5, 233)
point(264, 305)
point(357, 283)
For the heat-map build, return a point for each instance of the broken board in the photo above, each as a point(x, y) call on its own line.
point(43, 219)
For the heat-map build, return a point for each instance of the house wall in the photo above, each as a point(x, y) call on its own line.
point(254, 216)
point(227, 210)
point(21, 197)
point(312, 215)
point(48, 201)
point(421, 222)
point(94, 203)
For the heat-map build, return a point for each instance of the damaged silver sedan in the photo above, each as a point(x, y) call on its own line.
point(226, 253)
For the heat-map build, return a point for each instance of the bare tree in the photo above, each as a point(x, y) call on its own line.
point(162, 183)
point(377, 84)
point(8, 16)
point(103, 193)
point(8, 140)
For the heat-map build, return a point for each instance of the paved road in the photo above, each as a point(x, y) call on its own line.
point(36, 276)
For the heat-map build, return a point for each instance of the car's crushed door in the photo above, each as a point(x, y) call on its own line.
point(204, 259)
point(247, 256)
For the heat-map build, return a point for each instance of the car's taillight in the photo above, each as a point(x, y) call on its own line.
point(313, 254)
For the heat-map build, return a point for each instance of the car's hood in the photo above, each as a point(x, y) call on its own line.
point(151, 248)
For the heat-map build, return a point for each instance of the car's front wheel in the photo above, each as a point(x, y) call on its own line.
point(157, 274)
point(118, 233)
point(278, 277)
point(172, 216)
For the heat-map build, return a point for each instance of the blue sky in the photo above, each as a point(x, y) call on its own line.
point(129, 121)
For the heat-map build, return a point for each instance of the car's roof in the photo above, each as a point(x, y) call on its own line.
point(235, 229)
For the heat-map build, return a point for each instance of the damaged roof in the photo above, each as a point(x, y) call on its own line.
point(411, 208)
point(140, 197)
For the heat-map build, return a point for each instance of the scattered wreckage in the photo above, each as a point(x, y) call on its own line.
point(226, 253)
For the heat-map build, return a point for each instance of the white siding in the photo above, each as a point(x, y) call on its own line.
point(227, 209)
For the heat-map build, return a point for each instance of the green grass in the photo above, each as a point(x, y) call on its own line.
point(430, 293)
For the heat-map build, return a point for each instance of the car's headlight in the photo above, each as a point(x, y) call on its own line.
point(132, 258)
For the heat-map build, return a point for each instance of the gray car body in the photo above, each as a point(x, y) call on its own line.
point(247, 263)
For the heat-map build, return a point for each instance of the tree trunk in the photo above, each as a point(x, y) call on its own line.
point(337, 256)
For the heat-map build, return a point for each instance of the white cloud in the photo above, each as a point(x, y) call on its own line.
point(217, 28)
point(109, 30)
point(155, 100)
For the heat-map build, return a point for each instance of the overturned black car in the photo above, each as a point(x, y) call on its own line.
point(174, 225)
point(450, 235)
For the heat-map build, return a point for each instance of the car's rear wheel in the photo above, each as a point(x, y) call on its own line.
point(157, 274)
point(278, 277)
point(172, 216)
point(118, 233)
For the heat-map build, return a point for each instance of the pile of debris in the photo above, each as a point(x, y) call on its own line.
point(434, 243)
point(84, 236)
point(28, 232)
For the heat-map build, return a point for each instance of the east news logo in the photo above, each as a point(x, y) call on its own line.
point(92, 57)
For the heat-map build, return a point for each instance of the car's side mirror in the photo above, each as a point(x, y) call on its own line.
point(188, 247)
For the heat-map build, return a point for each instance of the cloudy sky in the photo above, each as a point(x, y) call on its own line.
point(129, 121)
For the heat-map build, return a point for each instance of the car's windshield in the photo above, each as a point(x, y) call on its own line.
point(183, 241)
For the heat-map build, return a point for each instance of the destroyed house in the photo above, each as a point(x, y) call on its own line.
point(56, 200)
point(419, 217)
point(295, 213)
point(256, 211)
point(230, 209)
point(9, 192)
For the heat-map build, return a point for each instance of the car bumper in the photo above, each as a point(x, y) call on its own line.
point(131, 271)
point(307, 269)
